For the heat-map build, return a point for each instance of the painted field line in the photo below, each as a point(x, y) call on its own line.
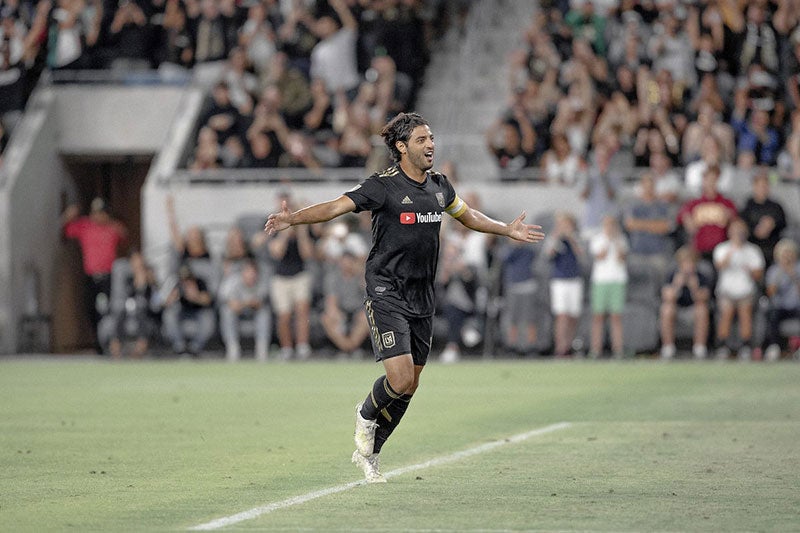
point(444, 459)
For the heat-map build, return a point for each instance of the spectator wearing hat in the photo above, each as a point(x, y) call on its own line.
point(99, 237)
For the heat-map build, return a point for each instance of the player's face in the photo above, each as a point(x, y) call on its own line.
point(420, 148)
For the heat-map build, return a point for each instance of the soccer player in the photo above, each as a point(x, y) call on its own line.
point(407, 202)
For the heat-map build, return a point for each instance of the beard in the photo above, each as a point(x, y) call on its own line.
point(420, 161)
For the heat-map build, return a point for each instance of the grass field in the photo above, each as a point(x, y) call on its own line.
point(165, 446)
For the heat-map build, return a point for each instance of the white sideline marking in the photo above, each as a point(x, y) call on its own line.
point(303, 498)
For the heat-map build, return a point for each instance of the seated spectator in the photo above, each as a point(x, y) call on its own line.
point(100, 237)
point(564, 251)
point(245, 299)
point(343, 316)
point(189, 299)
point(649, 224)
point(764, 216)
point(560, 165)
point(757, 136)
point(236, 255)
point(512, 141)
point(740, 265)
point(687, 287)
point(710, 155)
point(609, 249)
point(783, 290)
point(705, 220)
point(519, 289)
point(135, 313)
point(459, 282)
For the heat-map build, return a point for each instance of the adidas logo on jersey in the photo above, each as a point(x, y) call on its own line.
point(406, 200)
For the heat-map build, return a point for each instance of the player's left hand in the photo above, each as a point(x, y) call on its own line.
point(519, 231)
point(278, 221)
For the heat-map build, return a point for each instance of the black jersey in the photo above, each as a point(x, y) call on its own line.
point(406, 217)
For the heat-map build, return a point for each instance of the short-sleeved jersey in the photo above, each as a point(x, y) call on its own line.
point(406, 217)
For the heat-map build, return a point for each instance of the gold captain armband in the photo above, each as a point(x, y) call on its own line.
point(456, 207)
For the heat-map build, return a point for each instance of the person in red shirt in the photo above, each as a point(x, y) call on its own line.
point(706, 219)
point(99, 237)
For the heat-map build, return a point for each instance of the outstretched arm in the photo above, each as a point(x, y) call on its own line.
point(517, 229)
point(313, 214)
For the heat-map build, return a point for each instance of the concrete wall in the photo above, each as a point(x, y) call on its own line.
point(115, 119)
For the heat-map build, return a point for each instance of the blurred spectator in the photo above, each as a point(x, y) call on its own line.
point(708, 124)
point(757, 136)
point(211, 31)
point(740, 265)
point(600, 186)
point(519, 290)
point(135, 313)
point(759, 44)
point(257, 37)
point(649, 223)
point(609, 249)
point(764, 216)
point(236, 255)
point(586, 24)
point(100, 237)
point(705, 220)
point(789, 160)
point(560, 165)
point(343, 316)
point(668, 185)
point(687, 287)
point(459, 281)
point(188, 246)
point(189, 300)
point(290, 291)
point(245, 299)
point(130, 37)
point(333, 59)
point(563, 249)
point(670, 48)
point(174, 44)
point(513, 142)
point(783, 290)
point(710, 155)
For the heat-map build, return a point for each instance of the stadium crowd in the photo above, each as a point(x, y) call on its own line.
point(697, 102)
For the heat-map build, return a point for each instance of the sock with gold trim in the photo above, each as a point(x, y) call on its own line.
point(389, 418)
point(382, 395)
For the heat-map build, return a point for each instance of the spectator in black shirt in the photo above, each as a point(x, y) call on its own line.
point(765, 217)
point(407, 202)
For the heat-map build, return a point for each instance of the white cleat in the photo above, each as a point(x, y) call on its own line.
point(365, 433)
point(370, 467)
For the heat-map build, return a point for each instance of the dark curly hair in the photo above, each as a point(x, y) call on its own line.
point(399, 129)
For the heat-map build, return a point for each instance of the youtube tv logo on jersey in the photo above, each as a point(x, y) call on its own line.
point(408, 218)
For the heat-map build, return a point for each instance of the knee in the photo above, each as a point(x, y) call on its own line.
point(402, 381)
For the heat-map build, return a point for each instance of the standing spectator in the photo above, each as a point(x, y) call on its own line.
point(566, 282)
point(188, 246)
point(586, 24)
point(512, 141)
point(130, 37)
point(687, 287)
point(99, 237)
point(291, 287)
point(599, 188)
point(765, 217)
point(667, 182)
point(705, 220)
point(459, 281)
point(519, 288)
point(783, 290)
point(740, 265)
point(649, 224)
point(189, 299)
point(134, 314)
point(333, 59)
point(343, 319)
point(210, 33)
point(609, 249)
point(245, 299)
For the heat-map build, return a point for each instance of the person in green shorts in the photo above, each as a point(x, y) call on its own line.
point(609, 249)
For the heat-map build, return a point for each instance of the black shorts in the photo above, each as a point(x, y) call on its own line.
point(394, 334)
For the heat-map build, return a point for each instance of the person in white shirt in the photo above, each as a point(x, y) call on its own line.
point(609, 249)
point(739, 264)
point(333, 58)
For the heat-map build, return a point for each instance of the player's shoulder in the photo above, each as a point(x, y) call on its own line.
point(387, 173)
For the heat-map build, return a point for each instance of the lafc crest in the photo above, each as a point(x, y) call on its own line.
point(440, 199)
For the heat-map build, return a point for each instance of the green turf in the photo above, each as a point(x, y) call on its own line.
point(92, 446)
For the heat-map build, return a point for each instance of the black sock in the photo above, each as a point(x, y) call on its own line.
point(388, 420)
point(382, 395)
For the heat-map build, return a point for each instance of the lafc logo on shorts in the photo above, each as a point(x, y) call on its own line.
point(387, 339)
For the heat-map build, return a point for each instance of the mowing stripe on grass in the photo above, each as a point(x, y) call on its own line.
point(303, 498)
